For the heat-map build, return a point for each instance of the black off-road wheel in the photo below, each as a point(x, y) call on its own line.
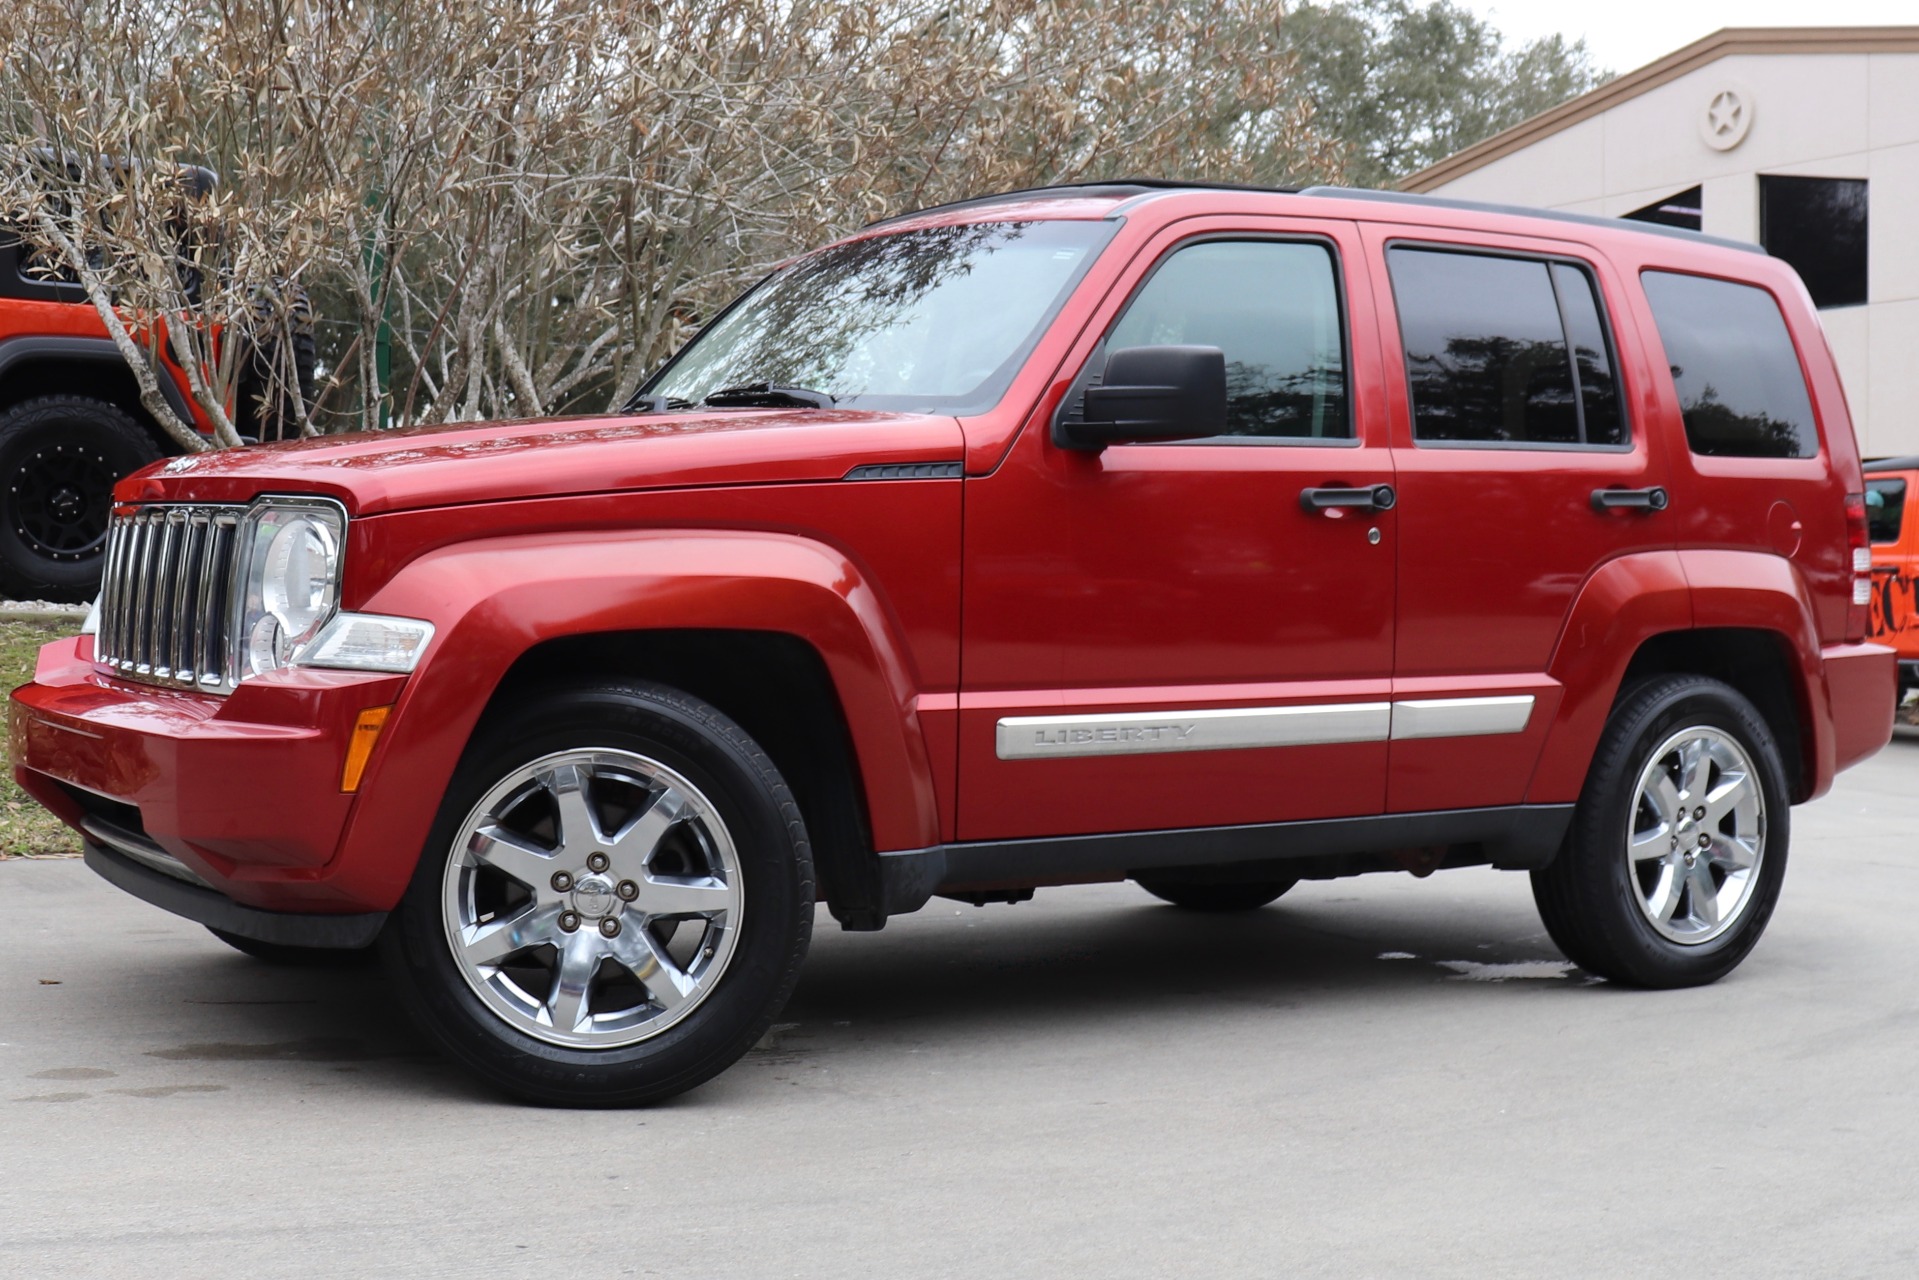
point(1678, 845)
point(1197, 896)
point(292, 956)
point(59, 459)
point(615, 900)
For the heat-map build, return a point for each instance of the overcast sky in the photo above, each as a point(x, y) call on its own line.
point(1627, 34)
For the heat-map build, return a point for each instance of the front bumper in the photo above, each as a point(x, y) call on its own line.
point(125, 865)
point(243, 791)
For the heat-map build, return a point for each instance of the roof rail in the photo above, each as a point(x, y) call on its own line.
point(1076, 190)
point(1146, 187)
point(1521, 211)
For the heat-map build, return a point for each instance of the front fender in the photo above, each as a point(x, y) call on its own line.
point(492, 601)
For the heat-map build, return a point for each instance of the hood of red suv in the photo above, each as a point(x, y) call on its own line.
point(487, 462)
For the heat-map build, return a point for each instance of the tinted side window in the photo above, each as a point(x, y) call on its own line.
point(1740, 387)
point(1885, 509)
point(1273, 308)
point(1488, 355)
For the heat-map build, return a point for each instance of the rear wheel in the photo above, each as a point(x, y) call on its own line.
point(1678, 845)
point(60, 457)
point(1194, 896)
point(614, 903)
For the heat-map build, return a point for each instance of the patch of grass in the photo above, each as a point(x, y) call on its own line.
point(26, 829)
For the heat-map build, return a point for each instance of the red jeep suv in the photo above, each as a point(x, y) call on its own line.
point(1204, 537)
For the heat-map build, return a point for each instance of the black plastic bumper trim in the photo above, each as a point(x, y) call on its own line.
point(217, 911)
point(1515, 837)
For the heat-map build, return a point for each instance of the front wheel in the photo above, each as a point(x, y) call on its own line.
point(614, 903)
point(1678, 845)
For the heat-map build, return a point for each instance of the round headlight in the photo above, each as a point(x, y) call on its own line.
point(297, 584)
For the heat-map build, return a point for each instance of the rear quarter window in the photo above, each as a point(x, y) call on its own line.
point(1741, 390)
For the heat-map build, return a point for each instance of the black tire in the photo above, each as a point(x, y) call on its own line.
point(703, 746)
point(1196, 896)
point(294, 956)
point(1590, 895)
point(59, 459)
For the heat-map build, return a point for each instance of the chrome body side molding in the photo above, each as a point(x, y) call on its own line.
point(1243, 728)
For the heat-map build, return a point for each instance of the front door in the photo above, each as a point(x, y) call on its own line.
point(1165, 635)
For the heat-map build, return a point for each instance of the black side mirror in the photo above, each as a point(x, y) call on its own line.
point(1150, 393)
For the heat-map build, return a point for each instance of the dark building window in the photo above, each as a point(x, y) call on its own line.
point(1819, 226)
point(1680, 209)
point(1504, 350)
point(1741, 391)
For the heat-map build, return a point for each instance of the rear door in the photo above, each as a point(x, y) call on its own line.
point(1522, 467)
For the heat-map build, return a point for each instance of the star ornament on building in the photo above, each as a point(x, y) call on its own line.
point(1727, 119)
point(1725, 111)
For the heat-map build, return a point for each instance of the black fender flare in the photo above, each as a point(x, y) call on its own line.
point(29, 350)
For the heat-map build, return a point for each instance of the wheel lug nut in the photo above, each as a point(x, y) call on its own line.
point(569, 920)
point(610, 927)
point(562, 881)
point(597, 862)
point(628, 891)
point(1699, 813)
point(1704, 840)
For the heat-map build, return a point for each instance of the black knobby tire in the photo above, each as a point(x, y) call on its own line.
point(701, 744)
point(1589, 896)
point(1196, 896)
point(59, 459)
point(295, 956)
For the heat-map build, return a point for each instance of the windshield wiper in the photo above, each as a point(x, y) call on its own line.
point(656, 404)
point(766, 395)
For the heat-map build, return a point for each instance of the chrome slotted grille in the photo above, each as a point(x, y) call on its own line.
point(166, 597)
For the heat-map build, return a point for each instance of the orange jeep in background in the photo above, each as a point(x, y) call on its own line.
point(1891, 483)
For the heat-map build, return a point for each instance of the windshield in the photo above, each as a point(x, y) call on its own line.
point(936, 320)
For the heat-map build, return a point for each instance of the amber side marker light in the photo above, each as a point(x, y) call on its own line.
point(366, 732)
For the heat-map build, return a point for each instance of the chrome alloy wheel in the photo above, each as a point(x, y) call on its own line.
point(593, 898)
point(1698, 834)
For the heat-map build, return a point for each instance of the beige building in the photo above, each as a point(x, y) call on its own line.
point(1803, 139)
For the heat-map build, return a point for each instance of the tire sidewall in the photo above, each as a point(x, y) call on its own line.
point(776, 914)
point(1606, 814)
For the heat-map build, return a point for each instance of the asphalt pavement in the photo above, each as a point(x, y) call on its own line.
point(1381, 1076)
